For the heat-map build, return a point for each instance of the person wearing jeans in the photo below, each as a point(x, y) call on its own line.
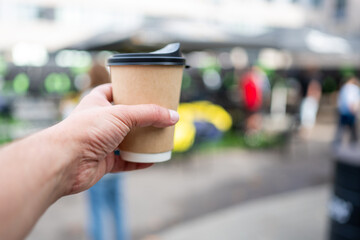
point(107, 209)
point(348, 104)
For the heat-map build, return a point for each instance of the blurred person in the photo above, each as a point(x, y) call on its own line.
point(252, 87)
point(106, 198)
point(348, 105)
point(309, 107)
point(107, 215)
point(293, 97)
point(68, 157)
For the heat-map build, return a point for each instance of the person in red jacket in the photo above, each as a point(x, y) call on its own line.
point(251, 88)
point(251, 91)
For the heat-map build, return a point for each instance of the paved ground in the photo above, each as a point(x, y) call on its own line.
point(296, 215)
point(175, 194)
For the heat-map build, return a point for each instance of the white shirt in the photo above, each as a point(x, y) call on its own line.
point(349, 96)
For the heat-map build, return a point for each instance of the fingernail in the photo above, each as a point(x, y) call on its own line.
point(174, 116)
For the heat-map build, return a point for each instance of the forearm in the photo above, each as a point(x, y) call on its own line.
point(69, 157)
point(30, 173)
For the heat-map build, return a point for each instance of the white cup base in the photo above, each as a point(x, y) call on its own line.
point(145, 157)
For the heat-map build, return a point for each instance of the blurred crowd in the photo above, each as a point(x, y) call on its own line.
point(222, 95)
point(222, 104)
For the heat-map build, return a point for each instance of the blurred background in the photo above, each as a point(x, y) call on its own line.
point(262, 114)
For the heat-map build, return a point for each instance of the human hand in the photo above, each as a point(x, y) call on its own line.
point(95, 129)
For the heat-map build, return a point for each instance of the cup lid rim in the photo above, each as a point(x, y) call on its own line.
point(169, 55)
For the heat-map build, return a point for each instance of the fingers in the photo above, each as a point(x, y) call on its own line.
point(104, 90)
point(99, 96)
point(145, 115)
point(121, 165)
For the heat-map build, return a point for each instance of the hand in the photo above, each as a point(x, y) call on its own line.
point(68, 158)
point(95, 129)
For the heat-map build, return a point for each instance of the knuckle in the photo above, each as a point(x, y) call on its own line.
point(158, 112)
point(123, 120)
point(86, 98)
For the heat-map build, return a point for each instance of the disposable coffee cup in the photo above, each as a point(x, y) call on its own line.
point(148, 78)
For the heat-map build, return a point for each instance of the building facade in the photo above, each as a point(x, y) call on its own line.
point(56, 24)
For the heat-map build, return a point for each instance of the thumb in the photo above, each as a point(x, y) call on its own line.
point(145, 115)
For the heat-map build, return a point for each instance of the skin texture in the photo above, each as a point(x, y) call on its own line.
point(68, 157)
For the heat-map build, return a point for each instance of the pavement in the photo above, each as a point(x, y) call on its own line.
point(297, 215)
point(228, 194)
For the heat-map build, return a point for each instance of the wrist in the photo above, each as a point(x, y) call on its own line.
point(57, 153)
point(32, 173)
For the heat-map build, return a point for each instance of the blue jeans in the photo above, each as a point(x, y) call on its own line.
point(107, 209)
point(346, 121)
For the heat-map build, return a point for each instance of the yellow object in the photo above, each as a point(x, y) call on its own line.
point(184, 136)
point(198, 111)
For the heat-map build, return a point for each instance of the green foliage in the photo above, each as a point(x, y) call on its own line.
point(229, 80)
point(329, 85)
point(186, 81)
point(6, 126)
point(210, 63)
point(270, 73)
point(347, 72)
point(259, 140)
point(80, 70)
point(3, 66)
point(57, 83)
point(21, 83)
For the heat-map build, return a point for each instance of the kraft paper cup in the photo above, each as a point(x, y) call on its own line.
point(148, 78)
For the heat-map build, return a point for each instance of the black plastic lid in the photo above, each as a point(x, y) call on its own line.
point(169, 55)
